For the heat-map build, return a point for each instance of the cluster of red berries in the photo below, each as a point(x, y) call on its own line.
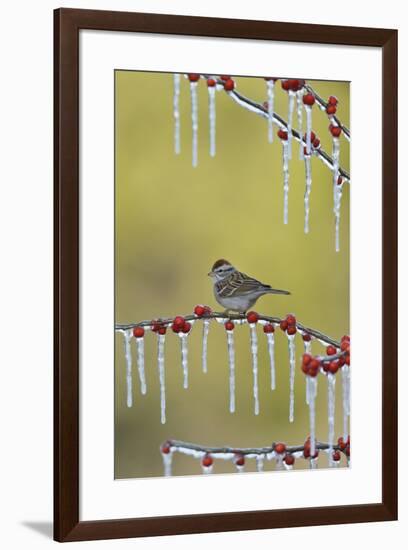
point(331, 106)
point(292, 84)
point(311, 365)
point(314, 140)
point(335, 130)
point(180, 325)
point(288, 324)
point(159, 327)
point(344, 445)
point(202, 311)
point(280, 449)
point(228, 82)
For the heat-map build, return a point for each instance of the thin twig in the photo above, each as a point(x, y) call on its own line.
point(323, 104)
point(233, 317)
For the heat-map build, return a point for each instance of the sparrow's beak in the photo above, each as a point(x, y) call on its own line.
point(210, 274)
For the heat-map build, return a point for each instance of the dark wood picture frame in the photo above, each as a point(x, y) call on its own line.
point(67, 24)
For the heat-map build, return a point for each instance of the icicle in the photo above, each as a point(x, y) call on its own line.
point(308, 169)
point(312, 413)
point(194, 121)
point(254, 352)
point(140, 364)
point(346, 399)
point(291, 107)
point(176, 113)
point(211, 112)
point(307, 390)
point(128, 355)
point(184, 357)
point(206, 328)
point(259, 463)
point(279, 462)
point(285, 180)
point(313, 463)
point(167, 463)
point(299, 104)
point(292, 366)
point(271, 349)
point(307, 346)
point(160, 363)
point(231, 364)
point(337, 190)
point(308, 110)
point(331, 394)
point(271, 100)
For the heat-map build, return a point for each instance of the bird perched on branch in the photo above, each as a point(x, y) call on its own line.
point(236, 291)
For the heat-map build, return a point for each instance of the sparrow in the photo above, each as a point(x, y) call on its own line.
point(236, 291)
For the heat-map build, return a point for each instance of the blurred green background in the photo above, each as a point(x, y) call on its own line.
point(173, 221)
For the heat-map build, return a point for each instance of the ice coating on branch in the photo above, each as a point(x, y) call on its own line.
point(127, 335)
point(231, 365)
point(167, 463)
point(211, 114)
point(271, 101)
point(254, 353)
point(184, 357)
point(160, 364)
point(345, 379)
point(291, 107)
point(253, 108)
point(271, 349)
point(206, 328)
point(299, 106)
point(259, 463)
point(337, 190)
point(308, 110)
point(194, 121)
point(312, 412)
point(292, 366)
point(308, 170)
point(176, 112)
point(140, 364)
point(331, 395)
point(285, 180)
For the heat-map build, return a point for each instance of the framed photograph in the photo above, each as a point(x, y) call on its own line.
point(225, 227)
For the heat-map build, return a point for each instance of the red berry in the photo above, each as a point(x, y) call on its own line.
point(229, 325)
point(282, 134)
point(252, 317)
point(335, 131)
point(207, 461)
point(336, 456)
point(347, 450)
point(279, 448)
point(341, 361)
point(331, 109)
point(294, 84)
point(331, 350)
point(285, 85)
point(178, 321)
point(341, 444)
point(225, 77)
point(199, 311)
point(344, 345)
point(138, 332)
point(194, 77)
point(305, 368)
point(211, 82)
point(313, 372)
point(309, 99)
point(289, 460)
point(155, 326)
point(165, 448)
point(348, 360)
point(306, 359)
point(291, 330)
point(314, 363)
point(345, 338)
point(229, 85)
point(306, 337)
point(239, 460)
point(326, 367)
point(283, 325)
point(333, 367)
point(268, 328)
point(291, 319)
point(332, 100)
point(316, 143)
point(312, 136)
point(162, 330)
point(186, 327)
point(339, 180)
point(208, 310)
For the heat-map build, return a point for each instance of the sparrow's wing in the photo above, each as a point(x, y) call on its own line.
point(239, 284)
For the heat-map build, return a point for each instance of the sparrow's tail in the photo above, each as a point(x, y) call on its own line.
point(277, 291)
